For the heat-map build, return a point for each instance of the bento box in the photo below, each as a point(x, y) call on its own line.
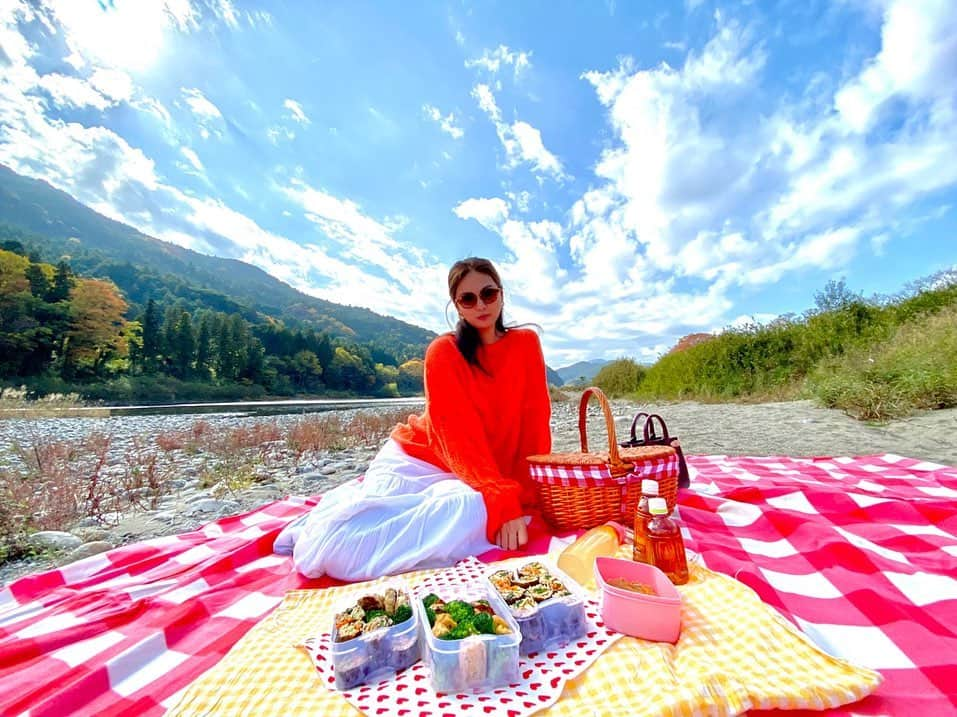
point(547, 604)
point(374, 637)
point(463, 651)
point(638, 600)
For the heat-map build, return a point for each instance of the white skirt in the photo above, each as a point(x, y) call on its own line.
point(405, 514)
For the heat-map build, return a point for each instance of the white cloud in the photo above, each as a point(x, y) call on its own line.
point(490, 213)
point(486, 102)
point(225, 11)
point(690, 196)
point(502, 56)
point(193, 158)
point(112, 83)
point(69, 91)
point(276, 133)
point(201, 106)
point(208, 115)
point(531, 149)
point(917, 61)
point(446, 123)
point(521, 141)
point(296, 111)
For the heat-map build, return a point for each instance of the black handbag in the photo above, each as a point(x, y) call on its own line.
point(650, 436)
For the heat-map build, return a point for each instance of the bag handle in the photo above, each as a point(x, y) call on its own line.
point(649, 431)
point(634, 425)
point(614, 458)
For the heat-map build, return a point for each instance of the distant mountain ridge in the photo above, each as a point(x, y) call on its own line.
point(104, 247)
point(581, 371)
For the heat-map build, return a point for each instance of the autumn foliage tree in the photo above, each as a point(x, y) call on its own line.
point(97, 327)
point(686, 342)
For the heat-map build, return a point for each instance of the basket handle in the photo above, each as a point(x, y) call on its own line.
point(614, 458)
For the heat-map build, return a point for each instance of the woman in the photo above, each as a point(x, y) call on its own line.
point(453, 481)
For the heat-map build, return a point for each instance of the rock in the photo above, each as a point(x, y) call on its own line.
point(55, 540)
point(313, 476)
point(94, 547)
point(211, 505)
point(91, 535)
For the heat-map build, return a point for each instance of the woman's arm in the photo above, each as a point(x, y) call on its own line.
point(458, 435)
point(537, 430)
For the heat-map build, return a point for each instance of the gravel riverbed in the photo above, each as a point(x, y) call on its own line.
point(187, 500)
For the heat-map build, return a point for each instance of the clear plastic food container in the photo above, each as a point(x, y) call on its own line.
point(476, 662)
point(378, 654)
point(553, 622)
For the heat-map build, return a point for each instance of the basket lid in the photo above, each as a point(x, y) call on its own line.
point(569, 459)
point(641, 454)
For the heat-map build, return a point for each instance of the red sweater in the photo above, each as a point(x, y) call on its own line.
point(481, 427)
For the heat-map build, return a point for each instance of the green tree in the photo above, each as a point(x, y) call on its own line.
point(409, 379)
point(39, 284)
point(152, 339)
point(63, 281)
point(204, 347)
point(184, 346)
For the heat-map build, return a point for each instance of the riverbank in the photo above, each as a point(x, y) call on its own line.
point(182, 471)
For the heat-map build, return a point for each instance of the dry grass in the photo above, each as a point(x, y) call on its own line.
point(331, 432)
point(58, 482)
point(55, 483)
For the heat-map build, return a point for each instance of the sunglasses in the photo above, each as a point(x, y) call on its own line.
point(488, 295)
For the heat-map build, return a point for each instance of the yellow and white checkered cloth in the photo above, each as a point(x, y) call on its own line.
point(735, 653)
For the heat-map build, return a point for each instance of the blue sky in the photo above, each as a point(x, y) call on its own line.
point(638, 170)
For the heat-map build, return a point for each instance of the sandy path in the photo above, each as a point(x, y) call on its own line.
point(794, 428)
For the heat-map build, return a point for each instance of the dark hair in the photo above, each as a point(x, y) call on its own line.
point(467, 336)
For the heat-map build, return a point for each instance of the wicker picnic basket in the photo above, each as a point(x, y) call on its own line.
point(585, 489)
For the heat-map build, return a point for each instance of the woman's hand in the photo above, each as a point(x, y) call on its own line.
point(512, 535)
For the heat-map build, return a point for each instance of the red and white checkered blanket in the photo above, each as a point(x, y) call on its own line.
point(861, 553)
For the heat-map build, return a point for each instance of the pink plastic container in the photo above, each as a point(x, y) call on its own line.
point(650, 617)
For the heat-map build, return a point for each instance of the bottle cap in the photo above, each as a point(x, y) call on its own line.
point(619, 529)
point(649, 487)
point(658, 506)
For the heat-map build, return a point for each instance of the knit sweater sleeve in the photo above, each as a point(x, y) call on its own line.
point(459, 438)
point(537, 433)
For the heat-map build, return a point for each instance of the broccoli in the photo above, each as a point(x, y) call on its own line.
point(463, 629)
point(402, 613)
point(460, 611)
point(430, 614)
point(373, 613)
point(430, 599)
point(482, 622)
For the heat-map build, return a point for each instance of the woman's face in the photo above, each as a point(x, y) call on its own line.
point(478, 300)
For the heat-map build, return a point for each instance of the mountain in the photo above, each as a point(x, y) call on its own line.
point(144, 267)
point(553, 378)
point(582, 371)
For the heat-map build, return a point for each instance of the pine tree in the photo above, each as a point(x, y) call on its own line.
point(184, 346)
point(203, 348)
point(62, 283)
point(151, 336)
point(39, 284)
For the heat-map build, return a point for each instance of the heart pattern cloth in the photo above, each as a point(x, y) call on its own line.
point(542, 675)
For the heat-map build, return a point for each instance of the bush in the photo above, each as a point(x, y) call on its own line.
point(916, 368)
point(619, 377)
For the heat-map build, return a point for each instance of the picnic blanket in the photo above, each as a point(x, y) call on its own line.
point(859, 553)
point(734, 653)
